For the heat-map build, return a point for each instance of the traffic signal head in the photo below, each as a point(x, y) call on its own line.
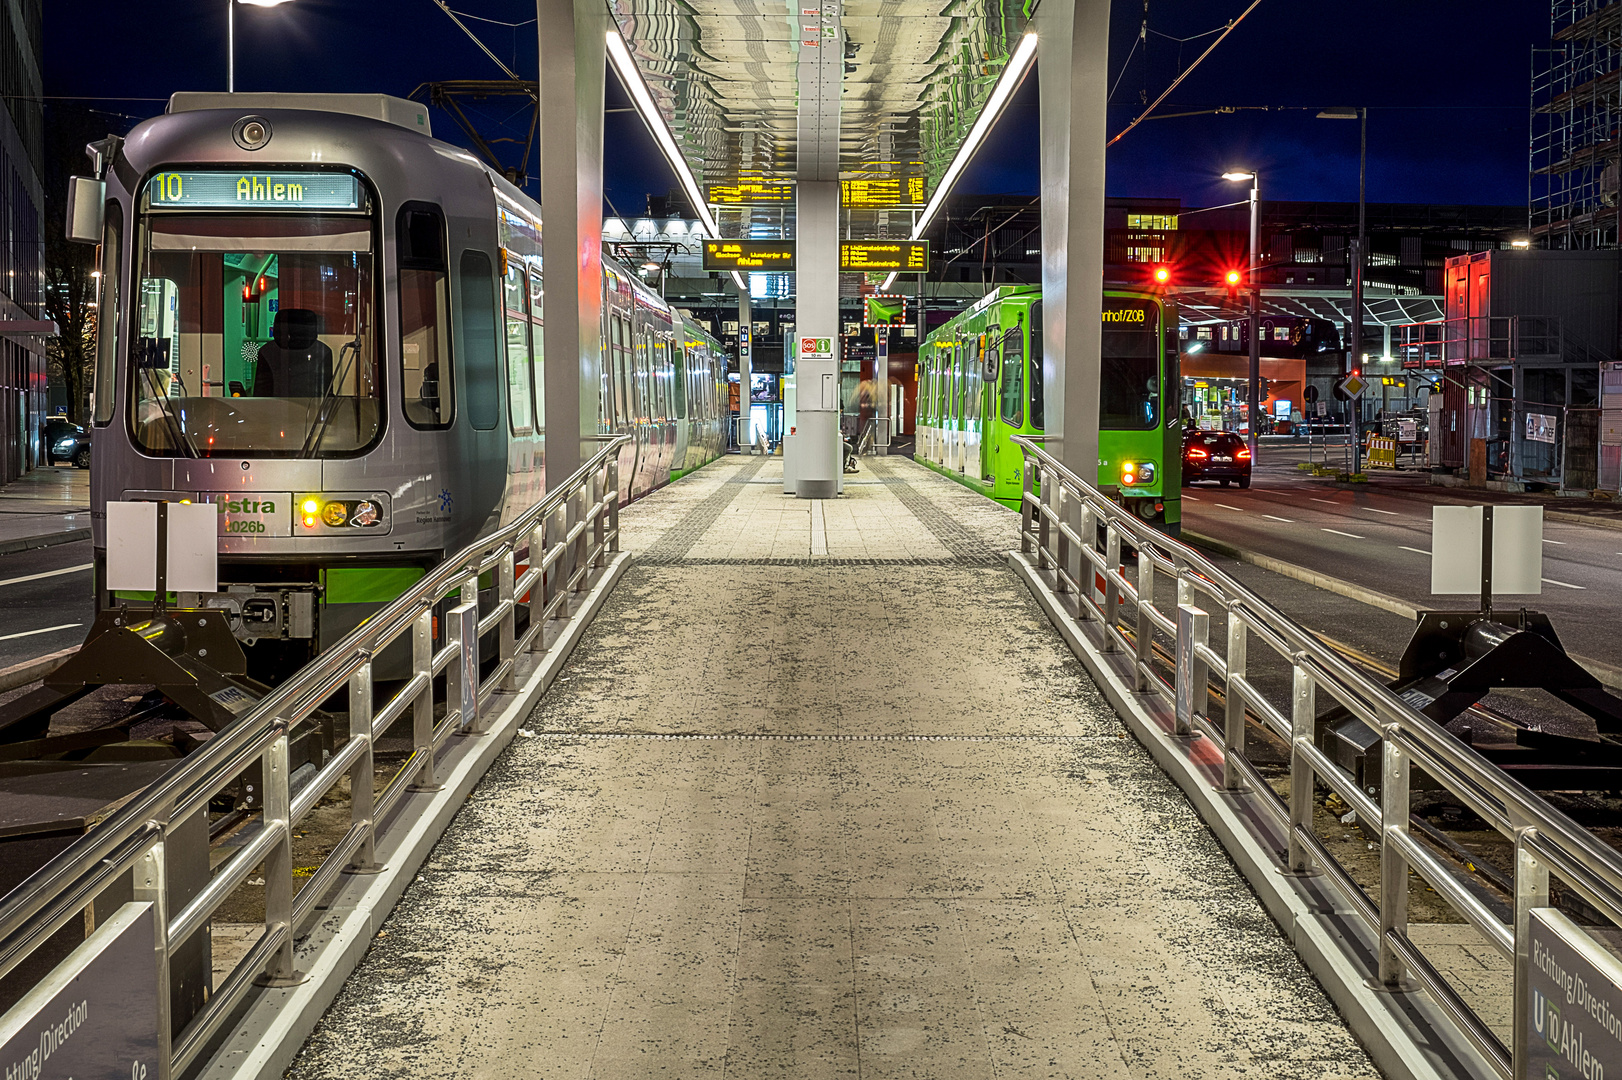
point(1162, 275)
point(1232, 279)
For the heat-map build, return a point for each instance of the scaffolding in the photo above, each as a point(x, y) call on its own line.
point(1576, 116)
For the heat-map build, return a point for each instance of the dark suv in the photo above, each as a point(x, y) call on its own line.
point(65, 441)
point(1215, 455)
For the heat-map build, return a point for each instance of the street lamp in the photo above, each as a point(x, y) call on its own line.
point(1253, 395)
point(231, 37)
point(1355, 346)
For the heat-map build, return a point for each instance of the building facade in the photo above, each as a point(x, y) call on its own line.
point(22, 229)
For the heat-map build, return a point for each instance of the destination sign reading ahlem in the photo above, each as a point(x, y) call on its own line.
point(255, 190)
point(902, 256)
point(749, 193)
point(753, 255)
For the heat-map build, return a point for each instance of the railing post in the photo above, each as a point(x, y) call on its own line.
point(1145, 643)
point(508, 626)
point(462, 676)
point(1531, 891)
point(1193, 627)
point(582, 546)
point(1027, 523)
point(1303, 720)
point(1086, 545)
point(537, 591)
point(280, 969)
point(150, 877)
point(1393, 864)
point(1112, 591)
point(362, 797)
point(422, 710)
point(1058, 499)
point(614, 503)
point(599, 521)
point(1233, 728)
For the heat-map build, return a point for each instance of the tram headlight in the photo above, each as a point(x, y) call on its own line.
point(1137, 472)
point(366, 514)
point(335, 514)
point(311, 507)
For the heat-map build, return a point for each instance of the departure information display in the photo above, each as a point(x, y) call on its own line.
point(749, 193)
point(884, 193)
point(756, 256)
point(879, 256)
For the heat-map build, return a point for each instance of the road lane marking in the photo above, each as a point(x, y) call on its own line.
point(1372, 510)
point(1194, 498)
point(46, 630)
point(1546, 540)
point(46, 574)
point(1331, 502)
point(1564, 585)
point(1287, 521)
point(1225, 506)
point(1416, 551)
point(1337, 532)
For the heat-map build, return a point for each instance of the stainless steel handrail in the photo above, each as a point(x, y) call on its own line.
point(1060, 517)
point(571, 532)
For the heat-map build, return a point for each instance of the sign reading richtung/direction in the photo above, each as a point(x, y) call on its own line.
point(755, 256)
point(96, 1015)
point(901, 256)
point(1573, 1021)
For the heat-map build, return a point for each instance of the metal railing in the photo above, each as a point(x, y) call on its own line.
point(1061, 520)
point(571, 533)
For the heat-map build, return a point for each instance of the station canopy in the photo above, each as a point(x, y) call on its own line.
point(1335, 305)
point(819, 89)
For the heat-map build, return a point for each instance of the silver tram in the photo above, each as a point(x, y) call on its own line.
point(329, 325)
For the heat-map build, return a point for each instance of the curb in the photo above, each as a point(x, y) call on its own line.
point(1406, 1034)
point(33, 670)
point(1608, 675)
point(32, 543)
point(274, 1023)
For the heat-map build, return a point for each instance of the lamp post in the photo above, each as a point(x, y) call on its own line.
point(1355, 346)
point(231, 37)
point(1254, 394)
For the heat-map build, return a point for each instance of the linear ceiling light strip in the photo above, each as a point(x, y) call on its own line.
point(1007, 83)
point(631, 76)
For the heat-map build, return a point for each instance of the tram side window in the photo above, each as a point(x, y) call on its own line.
point(537, 309)
point(520, 410)
point(112, 244)
point(425, 348)
point(684, 375)
point(977, 378)
point(1013, 379)
point(1038, 394)
point(479, 339)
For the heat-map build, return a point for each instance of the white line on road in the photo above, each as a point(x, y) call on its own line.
point(1331, 502)
point(46, 630)
point(1194, 498)
point(1546, 540)
point(46, 574)
point(1225, 506)
point(1391, 513)
point(1563, 584)
point(1337, 532)
point(1287, 521)
point(1416, 551)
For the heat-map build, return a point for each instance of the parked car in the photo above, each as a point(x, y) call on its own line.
point(58, 428)
point(72, 445)
point(1215, 455)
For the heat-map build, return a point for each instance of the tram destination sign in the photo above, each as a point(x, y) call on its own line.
point(880, 256)
point(756, 256)
point(749, 193)
point(255, 191)
point(899, 192)
point(1572, 1026)
point(96, 1014)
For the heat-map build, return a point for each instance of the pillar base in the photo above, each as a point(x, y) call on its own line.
point(816, 489)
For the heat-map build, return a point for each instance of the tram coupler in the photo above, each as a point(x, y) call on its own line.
point(1454, 660)
point(189, 654)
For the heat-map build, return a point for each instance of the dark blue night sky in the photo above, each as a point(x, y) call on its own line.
point(1446, 84)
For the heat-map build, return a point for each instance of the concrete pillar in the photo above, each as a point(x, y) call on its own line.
point(881, 392)
point(817, 460)
point(1073, 68)
point(746, 366)
point(573, 41)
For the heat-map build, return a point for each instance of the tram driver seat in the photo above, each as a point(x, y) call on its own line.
point(294, 362)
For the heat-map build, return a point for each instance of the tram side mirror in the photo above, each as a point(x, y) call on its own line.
point(87, 200)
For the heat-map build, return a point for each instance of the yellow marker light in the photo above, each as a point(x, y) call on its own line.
point(335, 513)
point(311, 506)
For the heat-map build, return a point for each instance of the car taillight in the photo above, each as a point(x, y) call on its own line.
point(1243, 453)
point(1196, 454)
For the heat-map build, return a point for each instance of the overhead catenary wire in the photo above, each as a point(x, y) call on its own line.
point(511, 74)
point(1178, 81)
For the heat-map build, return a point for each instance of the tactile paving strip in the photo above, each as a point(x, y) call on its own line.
point(679, 540)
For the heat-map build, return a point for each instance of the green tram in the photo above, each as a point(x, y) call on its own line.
point(980, 383)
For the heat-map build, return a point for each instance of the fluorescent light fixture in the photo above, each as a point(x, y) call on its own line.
point(1522, 244)
point(1238, 174)
point(263, 3)
point(619, 54)
point(1007, 83)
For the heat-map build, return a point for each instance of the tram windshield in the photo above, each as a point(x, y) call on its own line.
point(255, 336)
point(1129, 399)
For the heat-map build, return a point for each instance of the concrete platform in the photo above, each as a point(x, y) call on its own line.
point(823, 793)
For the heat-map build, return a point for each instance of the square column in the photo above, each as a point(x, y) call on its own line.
point(573, 38)
point(1073, 68)
point(813, 456)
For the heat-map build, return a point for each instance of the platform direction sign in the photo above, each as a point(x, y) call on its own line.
point(749, 193)
point(752, 255)
point(1572, 1025)
point(901, 256)
point(895, 192)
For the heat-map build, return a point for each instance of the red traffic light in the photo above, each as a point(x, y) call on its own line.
point(1162, 275)
point(1232, 277)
